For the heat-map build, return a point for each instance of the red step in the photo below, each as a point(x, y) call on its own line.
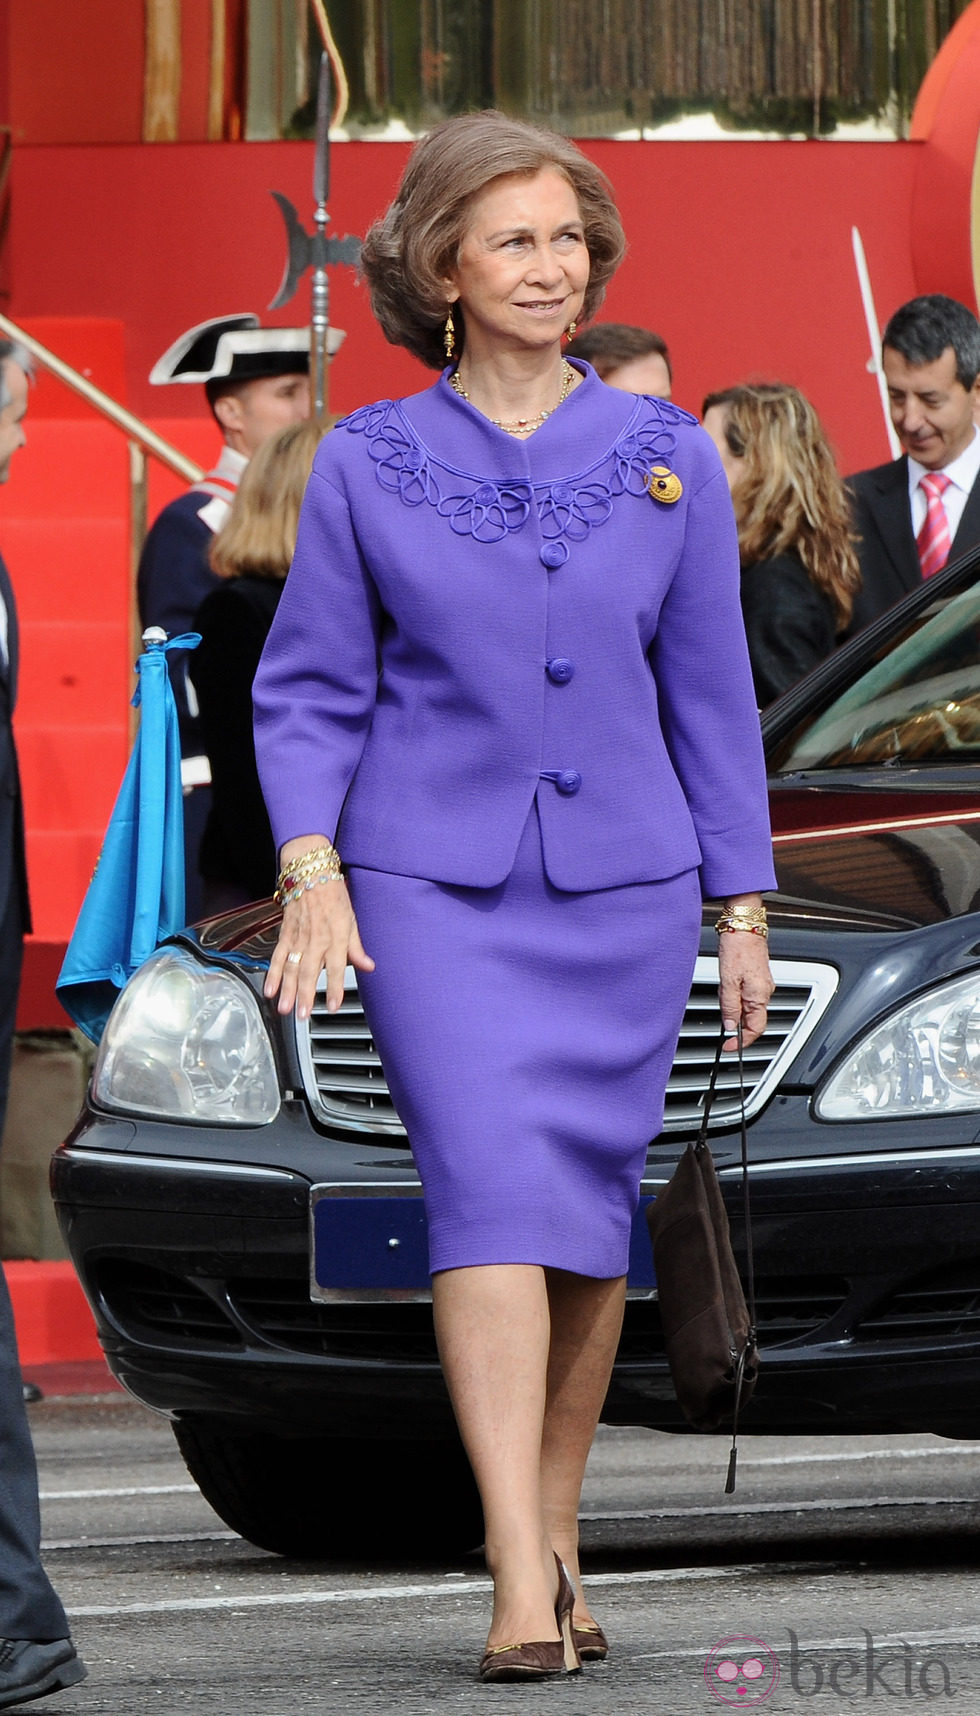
point(52, 1316)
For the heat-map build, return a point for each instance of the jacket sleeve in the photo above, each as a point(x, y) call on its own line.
point(887, 555)
point(707, 704)
point(173, 580)
point(316, 685)
point(174, 574)
point(789, 625)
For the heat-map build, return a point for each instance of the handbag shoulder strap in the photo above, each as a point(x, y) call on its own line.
point(746, 1210)
point(701, 1143)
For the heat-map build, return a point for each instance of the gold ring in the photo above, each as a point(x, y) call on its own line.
point(293, 958)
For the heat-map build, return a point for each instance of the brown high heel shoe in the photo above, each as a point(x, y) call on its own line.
point(590, 1642)
point(543, 1658)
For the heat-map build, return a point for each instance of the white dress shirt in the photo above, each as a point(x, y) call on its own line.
point(962, 474)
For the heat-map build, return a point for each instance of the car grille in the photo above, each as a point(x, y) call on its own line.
point(940, 1306)
point(788, 1308)
point(345, 1082)
point(283, 1313)
point(148, 1304)
point(157, 1308)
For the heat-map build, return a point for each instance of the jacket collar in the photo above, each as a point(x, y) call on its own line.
point(579, 434)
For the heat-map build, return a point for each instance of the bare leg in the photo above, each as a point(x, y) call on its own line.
point(493, 1328)
point(527, 1361)
point(586, 1322)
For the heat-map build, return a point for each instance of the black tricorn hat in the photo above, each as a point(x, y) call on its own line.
point(238, 348)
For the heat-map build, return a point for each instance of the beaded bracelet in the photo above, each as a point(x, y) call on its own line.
point(287, 899)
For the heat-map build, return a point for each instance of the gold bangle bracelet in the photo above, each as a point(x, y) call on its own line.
point(319, 864)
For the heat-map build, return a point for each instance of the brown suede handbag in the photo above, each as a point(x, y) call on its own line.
point(708, 1328)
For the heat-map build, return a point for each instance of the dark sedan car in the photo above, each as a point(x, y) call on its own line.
point(241, 1205)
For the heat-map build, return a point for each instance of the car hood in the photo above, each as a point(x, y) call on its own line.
point(249, 932)
point(876, 856)
point(870, 857)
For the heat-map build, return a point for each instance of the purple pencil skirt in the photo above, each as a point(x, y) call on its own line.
point(527, 1035)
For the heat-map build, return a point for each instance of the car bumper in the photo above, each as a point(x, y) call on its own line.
point(198, 1271)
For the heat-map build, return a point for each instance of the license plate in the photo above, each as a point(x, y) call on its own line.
point(366, 1242)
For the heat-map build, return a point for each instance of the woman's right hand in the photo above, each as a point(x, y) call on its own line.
point(319, 933)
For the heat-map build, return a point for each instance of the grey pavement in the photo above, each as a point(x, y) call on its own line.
point(862, 1550)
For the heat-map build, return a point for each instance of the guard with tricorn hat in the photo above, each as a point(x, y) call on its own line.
point(256, 381)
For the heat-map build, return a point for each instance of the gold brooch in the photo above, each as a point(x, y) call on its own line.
point(664, 485)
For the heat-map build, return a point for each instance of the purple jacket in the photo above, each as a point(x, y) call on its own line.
point(471, 620)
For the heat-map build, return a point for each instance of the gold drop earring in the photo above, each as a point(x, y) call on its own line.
point(570, 330)
point(449, 337)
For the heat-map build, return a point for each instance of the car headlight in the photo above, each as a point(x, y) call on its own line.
point(186, 1041)
point(925, 1059)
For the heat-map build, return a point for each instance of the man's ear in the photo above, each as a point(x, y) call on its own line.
point(228, 410)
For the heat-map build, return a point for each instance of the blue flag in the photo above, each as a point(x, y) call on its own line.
point(136, 896)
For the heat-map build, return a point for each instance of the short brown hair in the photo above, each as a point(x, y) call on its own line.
point(409, 252)
point(607, 346)
point(789, 497)
point(259, 534)
point(12, 352)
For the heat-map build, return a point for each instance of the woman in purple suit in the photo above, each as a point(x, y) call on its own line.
point(508, 678)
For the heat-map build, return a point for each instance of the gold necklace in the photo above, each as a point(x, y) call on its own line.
point(524, 426)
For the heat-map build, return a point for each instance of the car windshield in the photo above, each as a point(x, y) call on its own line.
point(918, 703)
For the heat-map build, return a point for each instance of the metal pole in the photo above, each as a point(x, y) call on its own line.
point(138, 513)
point(320, 307)
point(318, 331)
point(874, 337)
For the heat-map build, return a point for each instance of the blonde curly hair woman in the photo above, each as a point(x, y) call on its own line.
point(799, 567)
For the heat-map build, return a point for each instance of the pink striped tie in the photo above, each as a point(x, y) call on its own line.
point(934, 541)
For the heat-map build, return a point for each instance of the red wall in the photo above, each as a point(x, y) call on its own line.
point(740, 254)
point(71, 71)
point(64, 529)
point(75, 70)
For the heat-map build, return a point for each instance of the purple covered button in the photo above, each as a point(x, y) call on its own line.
point(560, 670)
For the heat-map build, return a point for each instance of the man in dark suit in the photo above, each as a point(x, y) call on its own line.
point(913, 514)
point(36, 1653)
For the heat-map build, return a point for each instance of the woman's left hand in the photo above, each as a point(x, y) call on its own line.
point(746, 984)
